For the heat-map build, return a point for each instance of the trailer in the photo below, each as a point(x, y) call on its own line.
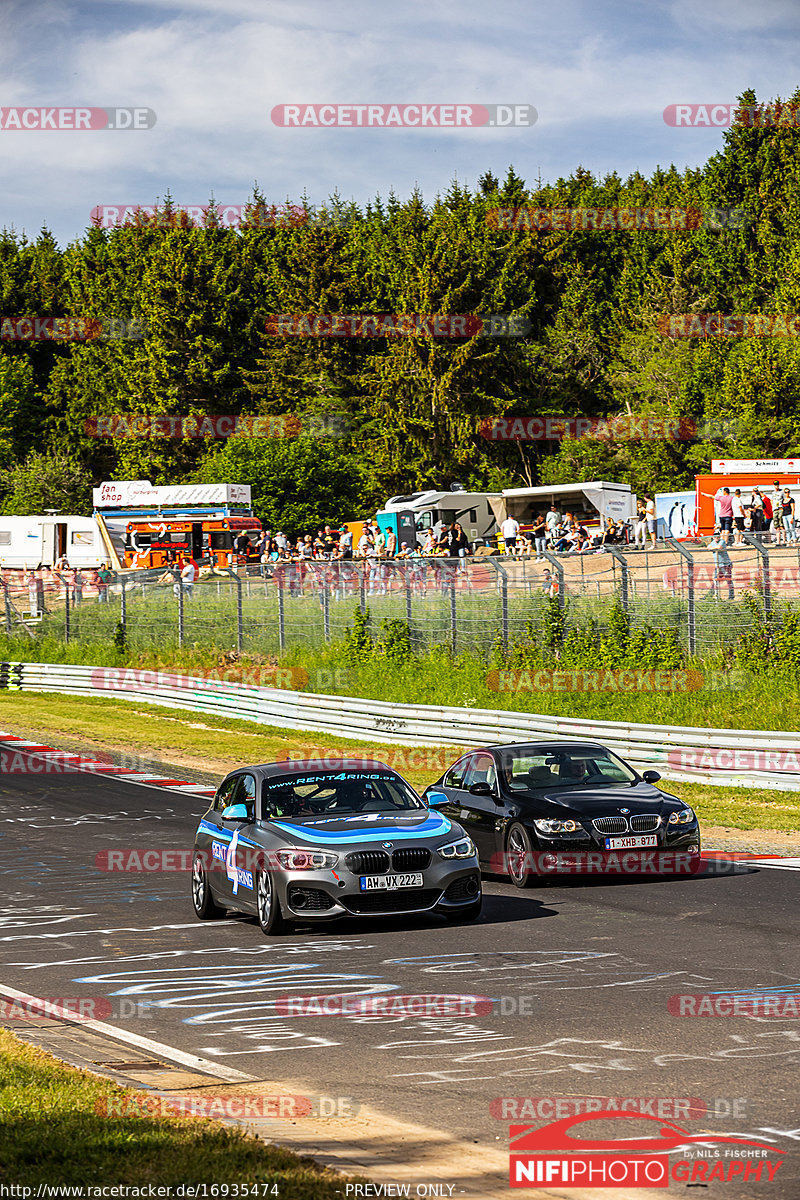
point(41, 541)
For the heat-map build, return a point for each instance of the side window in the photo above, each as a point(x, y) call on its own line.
point(224, 793)
point(246, 793)
point(481, 770)
point(455, 776)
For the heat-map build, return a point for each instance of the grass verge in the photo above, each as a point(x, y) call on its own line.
point(53, 1133)
point(208, 747)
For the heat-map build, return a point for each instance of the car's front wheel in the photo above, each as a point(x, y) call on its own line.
point(204, 904)
point(270, 917)
point(520, 858)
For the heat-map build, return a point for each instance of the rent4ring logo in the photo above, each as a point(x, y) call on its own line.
point(552, 1155)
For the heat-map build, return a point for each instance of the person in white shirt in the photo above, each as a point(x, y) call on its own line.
point(509, 530)
point(552, 521)
point(738, 517)
point(188, 575)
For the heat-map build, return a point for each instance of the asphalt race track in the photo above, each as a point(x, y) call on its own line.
point(580, 974)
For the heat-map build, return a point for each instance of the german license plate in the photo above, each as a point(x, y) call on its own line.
point(636, 842)
point(390, 883)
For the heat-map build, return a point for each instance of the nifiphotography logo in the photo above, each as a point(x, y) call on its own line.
point(552, 1155)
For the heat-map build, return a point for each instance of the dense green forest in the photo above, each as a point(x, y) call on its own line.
point(409, 409)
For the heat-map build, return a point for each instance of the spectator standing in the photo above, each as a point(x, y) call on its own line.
point(429, 544)
point(725, 505)
point(737, 508)
point(552, 521)
point(104, 577)
point(723, 566)
point(78, 582)
point(510, 530)
point(650, 517)
point(787, 516)
point(766, 504)
point(640, 526)
point(391, 543)
point(540, 532)
point(776, 499)
point(188, 576)
point(346, 544)
point(757, 511)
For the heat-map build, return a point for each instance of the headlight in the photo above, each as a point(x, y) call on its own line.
point(462, 849)
point(548, 826)
point(306, 860)
point(684, 817)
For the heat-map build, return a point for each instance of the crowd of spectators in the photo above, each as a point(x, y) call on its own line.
point(768, 515)
point(561, 534)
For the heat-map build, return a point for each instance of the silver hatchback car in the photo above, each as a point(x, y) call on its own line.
point(290, 843)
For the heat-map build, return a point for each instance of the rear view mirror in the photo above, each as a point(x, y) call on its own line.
point(651, 776)
point(235, 812)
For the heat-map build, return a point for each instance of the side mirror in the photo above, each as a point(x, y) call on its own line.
point(651, 776)
point(236, 812)
point(480, 789)
point(436, 800)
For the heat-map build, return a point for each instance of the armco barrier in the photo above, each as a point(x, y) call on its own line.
point(737, 758)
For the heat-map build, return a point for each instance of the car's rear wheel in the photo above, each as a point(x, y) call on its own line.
point(468, 913)
point(204, 904)
point(270, 916)
point(519, 858)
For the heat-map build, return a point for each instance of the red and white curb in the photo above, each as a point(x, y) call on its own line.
point(62, 762)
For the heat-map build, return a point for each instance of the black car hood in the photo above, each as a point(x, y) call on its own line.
point(595, 802)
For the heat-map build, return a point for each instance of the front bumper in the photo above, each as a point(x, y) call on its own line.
point(318, 896)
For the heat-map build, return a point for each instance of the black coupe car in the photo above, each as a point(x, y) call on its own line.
point(528, 806)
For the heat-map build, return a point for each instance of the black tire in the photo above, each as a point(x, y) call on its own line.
point(519, 858)
point(204, 905)
point(470, 913)
point(268, 906)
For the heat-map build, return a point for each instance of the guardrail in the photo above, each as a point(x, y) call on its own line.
point(733, 757)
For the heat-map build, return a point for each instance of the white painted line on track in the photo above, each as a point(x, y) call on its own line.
point(230, 1074)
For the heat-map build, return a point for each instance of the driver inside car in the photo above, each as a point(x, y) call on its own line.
point(574, 769)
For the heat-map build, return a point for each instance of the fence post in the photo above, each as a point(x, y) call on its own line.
point(691, 624)
point(281, 617)
point(559, 566)
point(623, 562)
point(123, 608)
point(407, 569)
point(362, 585)
point(765, 579)
point(9, 621)
point(453, 619)
point(326, 610)
point(179, 586)
point(66, 610)
point(503, 602)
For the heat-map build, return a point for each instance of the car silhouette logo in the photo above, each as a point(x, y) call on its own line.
point(556, 1136)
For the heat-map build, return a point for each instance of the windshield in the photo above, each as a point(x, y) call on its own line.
point(556, 767)
point(340, 793)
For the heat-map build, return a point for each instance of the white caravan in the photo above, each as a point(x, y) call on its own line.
point(41, 541)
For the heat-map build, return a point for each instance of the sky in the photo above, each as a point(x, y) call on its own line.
point(598, 74)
